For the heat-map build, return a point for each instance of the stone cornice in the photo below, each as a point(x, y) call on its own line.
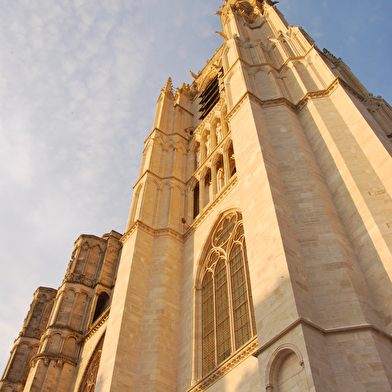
point(185, 110)
point(168, 134)
point(137, 225)
point(284, 101)
point(225, 367)
point(58, 328)
point(286, 63)
point(170, 232)
point(303, 322)
point(149, 230)
point(158, 178)
point(47, 357)
point(97, 324)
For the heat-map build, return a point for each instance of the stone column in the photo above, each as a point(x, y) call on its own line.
point(226, 164)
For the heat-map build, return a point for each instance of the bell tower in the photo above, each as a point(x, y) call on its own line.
point(257, 251)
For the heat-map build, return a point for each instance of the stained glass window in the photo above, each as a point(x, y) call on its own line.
point(208, 324)
point(227, 311)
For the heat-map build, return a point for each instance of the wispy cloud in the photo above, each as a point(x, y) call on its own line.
point(78, 84)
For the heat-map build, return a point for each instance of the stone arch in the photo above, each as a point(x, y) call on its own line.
point(26, 368)
point(36, 315)
point(167, 158)
point(93, 264)
point(220, 264)
point(293, 85)
point(164, 204)
point(210, 76)
point(306, 77)
point(78, 312)
point(274, 366)
point(177, 206)
point(102, 303)
point(69, 348)
point(193, 198)
point(148, 146)
point(156, 152)
point(194, 156)
point(67, 302)
point(135, 202)
point(204, 249)
point(179, 166)
point(147, 205)
point(266, 84)
point(18, 361)
point(54, 343)
point(81, 257)
point(90, 374)
point(206, 144)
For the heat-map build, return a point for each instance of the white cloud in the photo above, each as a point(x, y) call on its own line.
point(78, 85)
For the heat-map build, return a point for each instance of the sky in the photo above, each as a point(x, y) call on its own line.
point(79, 80)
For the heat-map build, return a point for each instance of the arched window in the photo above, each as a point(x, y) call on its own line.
point(89, 379)
point(102, 303)
point(227, 310)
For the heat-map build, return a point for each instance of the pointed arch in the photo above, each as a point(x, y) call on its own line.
point(54, 343)
point(78, 312)
point(66, 306)
point(103, 301)
point(69, 348)
point(134, 206)
point(276, 363)
point(223, 294)
point(90, 375)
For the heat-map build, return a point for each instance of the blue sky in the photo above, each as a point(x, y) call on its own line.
point(79, 80)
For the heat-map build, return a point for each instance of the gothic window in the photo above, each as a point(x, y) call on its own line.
point(196, 201)
point(90, 375)
point(102, 303)
point(227, 310)
point(210, 96)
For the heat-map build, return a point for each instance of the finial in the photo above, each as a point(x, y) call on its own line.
point(168, 89)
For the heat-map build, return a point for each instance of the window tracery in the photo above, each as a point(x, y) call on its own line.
point(90, 375)
point(226, 303)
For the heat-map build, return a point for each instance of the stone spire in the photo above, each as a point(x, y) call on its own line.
point(168, 89)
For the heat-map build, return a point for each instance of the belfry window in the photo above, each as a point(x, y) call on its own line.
point(227, 310)
point(102, 303)
point(210, 96)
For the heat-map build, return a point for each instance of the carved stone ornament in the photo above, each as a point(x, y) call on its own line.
point(373, 103)
point(331, 57)
point(90, 376)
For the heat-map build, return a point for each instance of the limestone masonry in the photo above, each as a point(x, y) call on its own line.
point(257, 254)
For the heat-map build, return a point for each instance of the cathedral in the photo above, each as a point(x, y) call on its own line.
point(257, 251)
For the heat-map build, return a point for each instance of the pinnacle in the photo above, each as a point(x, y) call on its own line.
point(169, 86)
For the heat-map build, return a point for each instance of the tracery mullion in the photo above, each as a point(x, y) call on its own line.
point(242, 324)
point(209, 327)
point(250, 299)
point(231, 307)
point(223, 328)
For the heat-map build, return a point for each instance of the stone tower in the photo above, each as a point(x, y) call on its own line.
point(257, 253)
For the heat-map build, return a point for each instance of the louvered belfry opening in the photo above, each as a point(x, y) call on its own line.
point(210, 96)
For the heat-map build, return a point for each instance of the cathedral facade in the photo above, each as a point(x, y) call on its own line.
point(257, 253)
